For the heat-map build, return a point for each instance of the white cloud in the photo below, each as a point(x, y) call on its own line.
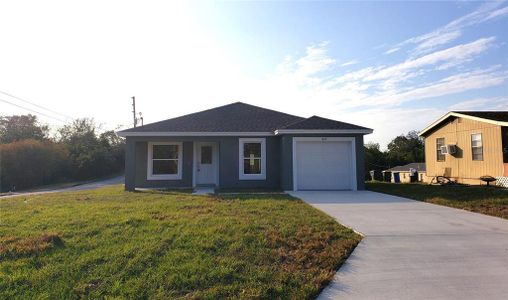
point(491, 103)
point(431, 43)
point(443, 35)
point(447, 86)
point(456, 55)
point(350, 63)
point(497, 13)
point(392, 50)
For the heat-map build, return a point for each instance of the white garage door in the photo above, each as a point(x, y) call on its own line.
point(324, 164)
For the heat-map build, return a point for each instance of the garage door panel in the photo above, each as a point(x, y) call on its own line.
point(323, 165)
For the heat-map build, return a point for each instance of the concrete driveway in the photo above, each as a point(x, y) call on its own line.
point(415, 250)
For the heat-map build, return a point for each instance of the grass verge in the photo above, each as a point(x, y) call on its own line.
point(162, 244)
point(486, 200)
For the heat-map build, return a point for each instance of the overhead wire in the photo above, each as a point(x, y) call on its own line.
point(33, 110)
point(37, 105)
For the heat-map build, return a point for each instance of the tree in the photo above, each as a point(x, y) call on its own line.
point(375, 159)
point(91, 155)
point(406, 149)
point(17, 128)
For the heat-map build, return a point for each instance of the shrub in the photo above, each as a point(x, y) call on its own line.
point(29, 163)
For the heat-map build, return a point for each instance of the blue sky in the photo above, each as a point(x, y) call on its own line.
point(391, 66)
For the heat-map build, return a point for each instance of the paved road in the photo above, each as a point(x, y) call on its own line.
point(416, 250)
point(86, 186)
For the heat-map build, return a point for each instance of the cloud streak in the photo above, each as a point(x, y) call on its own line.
point(430, 41)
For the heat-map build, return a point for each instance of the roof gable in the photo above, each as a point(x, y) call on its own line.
point(316, 123)
point(501, 116)
point(493, 117)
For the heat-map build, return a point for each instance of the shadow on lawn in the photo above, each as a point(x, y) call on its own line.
point(423, 192)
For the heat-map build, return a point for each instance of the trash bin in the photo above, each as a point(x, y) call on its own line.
point(387, 176)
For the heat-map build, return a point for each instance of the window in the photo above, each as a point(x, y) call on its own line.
point(252, 163)
point(206, 155)
point(440, 142)
point(164, 161)
point(477, 146)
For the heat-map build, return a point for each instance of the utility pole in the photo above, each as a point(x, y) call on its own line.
point(134, 110)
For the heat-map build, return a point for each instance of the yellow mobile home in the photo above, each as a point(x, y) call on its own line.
point(465, 145)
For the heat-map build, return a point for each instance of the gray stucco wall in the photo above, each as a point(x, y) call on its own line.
point(279, 164)
point(136, 163)
point(229, 165)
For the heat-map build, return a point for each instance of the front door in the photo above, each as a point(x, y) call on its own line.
point(206, 164)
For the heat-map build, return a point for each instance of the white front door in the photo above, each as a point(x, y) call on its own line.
point(206, 163)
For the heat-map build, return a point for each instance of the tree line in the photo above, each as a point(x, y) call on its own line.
point(402, 150)
point(30, 156)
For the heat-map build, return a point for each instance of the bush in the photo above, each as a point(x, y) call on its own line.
point(29, 158)
point(29, 163)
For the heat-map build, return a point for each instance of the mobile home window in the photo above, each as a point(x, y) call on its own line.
point(477, 146)
point(440, 142)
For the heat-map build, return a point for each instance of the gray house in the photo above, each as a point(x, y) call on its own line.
point(242, 146)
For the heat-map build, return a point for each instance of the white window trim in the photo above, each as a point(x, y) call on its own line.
point(151, 176)
point(241, 175)
point(352, 140)
point(472, 147)
point(439, 149)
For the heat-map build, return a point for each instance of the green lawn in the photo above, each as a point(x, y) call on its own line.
point(486, 200)
point(110, 243)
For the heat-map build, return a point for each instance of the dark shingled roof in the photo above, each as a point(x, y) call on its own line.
point(316, 122)
point(491, 115)
point(418, 166)
point(240, 117)
point(234, 117)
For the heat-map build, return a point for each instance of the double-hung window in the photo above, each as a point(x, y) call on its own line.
point(477, 146)
point(252, 163)
point(164, 161)
point(439, 155)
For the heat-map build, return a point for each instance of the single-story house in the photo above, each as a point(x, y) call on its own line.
point(403, 174)
point(241, 146)
point(466, 145)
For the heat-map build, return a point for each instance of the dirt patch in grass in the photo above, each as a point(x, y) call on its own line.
point(15, 247)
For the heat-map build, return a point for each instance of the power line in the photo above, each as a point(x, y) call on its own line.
point(32, 110)
point(37, 105)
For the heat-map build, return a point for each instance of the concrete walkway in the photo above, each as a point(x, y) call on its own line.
point(415, 250)
point(80, 187)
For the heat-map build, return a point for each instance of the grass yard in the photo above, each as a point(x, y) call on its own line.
point(486, 200)
point(110, 243)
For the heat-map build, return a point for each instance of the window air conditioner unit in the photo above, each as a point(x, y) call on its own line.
point(448, 149)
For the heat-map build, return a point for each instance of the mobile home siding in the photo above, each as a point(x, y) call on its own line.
point(461, 165)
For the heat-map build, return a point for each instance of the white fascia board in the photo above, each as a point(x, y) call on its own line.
point(323, 131)
point(454, 114)
point(125, 134)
